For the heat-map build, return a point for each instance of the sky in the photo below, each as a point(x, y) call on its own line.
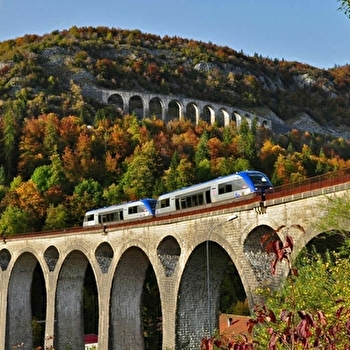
point(314, 32)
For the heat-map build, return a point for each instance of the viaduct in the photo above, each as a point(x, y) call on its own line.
point(169, 107)
point(119, 256)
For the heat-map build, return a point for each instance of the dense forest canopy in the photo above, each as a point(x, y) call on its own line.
point(62, 153)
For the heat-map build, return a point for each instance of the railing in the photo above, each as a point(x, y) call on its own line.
point(313, 183)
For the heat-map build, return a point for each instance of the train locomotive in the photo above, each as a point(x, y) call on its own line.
point(230, 187)
point(224, 188)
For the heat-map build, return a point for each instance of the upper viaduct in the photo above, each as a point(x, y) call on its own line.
point(170, 107)
point(119, 256)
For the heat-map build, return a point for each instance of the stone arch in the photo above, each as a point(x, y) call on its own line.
point(104, 255)
point(192, 113)
point(174, 110)
point(69, 326)
point(313, 236)
point(259, 260)
point(265, 124)
point(198, 310)
point(5, 257)
point(223, 117)
point(324, 242)
point(116, 100)
point(19, 302)
point(169, 252)
point(126, 323)
point(208, 114)
point(156, 108)
point(237, 118)
point(51, 257)
point(248, 118)
point(136, 106)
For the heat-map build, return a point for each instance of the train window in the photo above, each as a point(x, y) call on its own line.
point(133, 210)
point(89, 217)
point(239, 184)
point(142, 208)
point(259, 181)
point(190, 201)
point(165, 203)
point(200, 199)
point(225, 188)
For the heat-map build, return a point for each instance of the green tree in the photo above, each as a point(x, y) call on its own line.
point(13, 221)
point(10, 135)
point(171, 175)
point(47, 176)
point(113, 194)
point(2, 176)
point(202, 159)
point(56, 217)
point(141, 173)
point(87, 195)
point(51, 137)
point(41, 177)
point(246, 142)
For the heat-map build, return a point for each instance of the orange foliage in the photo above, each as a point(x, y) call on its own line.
point(30, 199)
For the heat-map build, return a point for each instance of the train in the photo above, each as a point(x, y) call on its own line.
point(134, 210)
point(233, 186)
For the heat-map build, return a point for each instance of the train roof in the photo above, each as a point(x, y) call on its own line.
point(119, 206)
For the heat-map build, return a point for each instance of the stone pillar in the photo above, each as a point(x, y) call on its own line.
point(50, 311)
point(3, 306)
point(169, 303)
point(103, 288)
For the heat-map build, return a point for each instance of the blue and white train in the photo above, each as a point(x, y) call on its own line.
point(234, 186)
point(122, 212)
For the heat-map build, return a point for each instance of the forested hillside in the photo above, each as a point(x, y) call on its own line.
point(62, 153)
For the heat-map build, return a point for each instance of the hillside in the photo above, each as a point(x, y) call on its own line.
point(43, 67)
point(63, 153)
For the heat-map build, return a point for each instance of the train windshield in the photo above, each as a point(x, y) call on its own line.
point(260, 181)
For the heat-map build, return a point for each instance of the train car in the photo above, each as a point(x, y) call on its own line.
point(122, 212)
point(223, 188)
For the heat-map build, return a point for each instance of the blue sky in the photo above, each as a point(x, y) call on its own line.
point(307, 31)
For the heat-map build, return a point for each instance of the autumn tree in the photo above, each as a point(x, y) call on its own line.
point(269, 153)
point(288, 168)
point(38, 142)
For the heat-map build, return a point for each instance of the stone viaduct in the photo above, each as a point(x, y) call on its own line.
point(175, 247)
point(169, 107)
